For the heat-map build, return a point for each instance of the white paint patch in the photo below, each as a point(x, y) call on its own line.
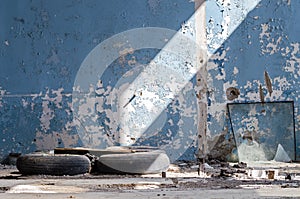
point(188, 28)
point(283, 83)
point(228, 84)
point(235, 70)
point(126, 51)
point(45, 141)
point(278, 95)
point(253, 91)
point(273, 46)
point(222, 75)
point(51, 140)
point(264, 32)
point(45, 189)
point(48, 113)
point(2, 93)
point(217, 110)
point(293, 64)
point(6, 42)
point(269, 45)
point(28, 189)
point(58, 99)
point(212, 65)
point(46, 116)
point(24, 103)
point(225, 25)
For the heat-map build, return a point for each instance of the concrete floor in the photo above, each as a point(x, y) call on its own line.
point(182, 181)
point(165, 194)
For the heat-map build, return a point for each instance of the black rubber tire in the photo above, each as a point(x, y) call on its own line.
point(147, 162)
point(58, 165)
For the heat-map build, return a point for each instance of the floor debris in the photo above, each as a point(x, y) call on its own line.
point(179, 177)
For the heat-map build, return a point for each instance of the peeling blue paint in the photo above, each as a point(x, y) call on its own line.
point(43, 43)
point(264, 41)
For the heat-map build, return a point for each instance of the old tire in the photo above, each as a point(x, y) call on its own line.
point(148, 162)
point(108, 150)
point(53, 164)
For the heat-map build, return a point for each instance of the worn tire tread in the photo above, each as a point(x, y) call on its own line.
point(53, 164)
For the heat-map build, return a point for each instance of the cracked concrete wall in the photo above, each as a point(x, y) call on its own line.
point(250, 44)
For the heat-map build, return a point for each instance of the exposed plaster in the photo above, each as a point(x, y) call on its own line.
point(293, 64)
point(2, 93)
point(48, 113)
point(217, 111)
point(55, 139)
point(25, 103)
point(264, 32)
point(235, 70)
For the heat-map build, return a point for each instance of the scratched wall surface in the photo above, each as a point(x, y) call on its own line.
point(253, 50)
point(43, 44)
point(261, 51)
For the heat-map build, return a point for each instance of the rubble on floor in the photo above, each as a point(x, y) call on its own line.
point(180, 176)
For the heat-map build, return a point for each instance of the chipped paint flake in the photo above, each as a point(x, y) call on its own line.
point(6, 42)
point(264, 32)
point(48, 113)
point(25, 103)
point(293, 64)
point(46, 117)
point(235, 70)
point(126, 51)
point(188, 28)
point(2, 93)
point(55, 139)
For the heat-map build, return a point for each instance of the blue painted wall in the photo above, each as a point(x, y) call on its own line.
point(44, 43)
point(264, 38)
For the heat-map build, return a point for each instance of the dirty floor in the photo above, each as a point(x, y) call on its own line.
point(220, 180)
